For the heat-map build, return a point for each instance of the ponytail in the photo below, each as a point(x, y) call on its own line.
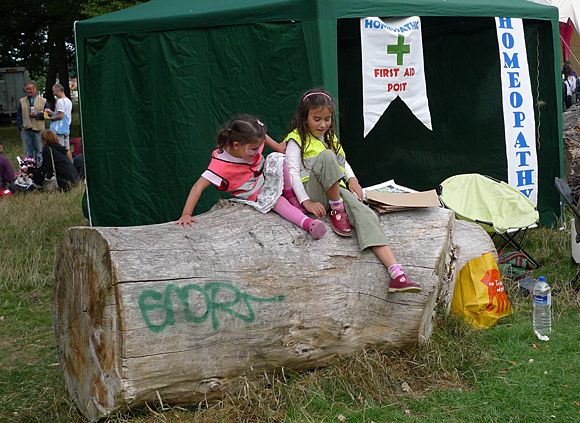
point(223, 139)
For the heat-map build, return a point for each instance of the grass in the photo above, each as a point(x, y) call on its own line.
point(503, 374)
point(33, 225)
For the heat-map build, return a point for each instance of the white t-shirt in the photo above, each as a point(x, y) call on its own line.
point(570, 84)
point(64, 105)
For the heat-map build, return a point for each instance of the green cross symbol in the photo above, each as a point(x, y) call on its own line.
point(399, 49)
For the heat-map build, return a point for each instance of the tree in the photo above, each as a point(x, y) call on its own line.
point(39, 35)
point(22, 40)
point(61, 15)
point(94, 8)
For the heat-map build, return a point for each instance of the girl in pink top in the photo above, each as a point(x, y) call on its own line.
point(238, 167)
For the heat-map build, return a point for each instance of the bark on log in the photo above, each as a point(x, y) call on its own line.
point(186, 314)
point(470, 241)
point(571, 134)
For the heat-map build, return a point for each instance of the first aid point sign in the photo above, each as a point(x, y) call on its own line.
point(392, 66)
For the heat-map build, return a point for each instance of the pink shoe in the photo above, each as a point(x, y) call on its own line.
point(339, 222)
point(317, 229)
point(402, 283)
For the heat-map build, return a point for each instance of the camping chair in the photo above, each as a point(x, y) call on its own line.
point(498, 207)
point(566, 193)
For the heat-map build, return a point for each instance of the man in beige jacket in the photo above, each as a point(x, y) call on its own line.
point(30, 121)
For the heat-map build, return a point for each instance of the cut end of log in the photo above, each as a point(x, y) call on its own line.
point(84, 318)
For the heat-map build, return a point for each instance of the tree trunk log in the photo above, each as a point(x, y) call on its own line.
point(571, 134)
point(184, 315)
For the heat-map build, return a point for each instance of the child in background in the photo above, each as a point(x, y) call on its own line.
point(238, 167)
point(6, 174)
point(318, 166)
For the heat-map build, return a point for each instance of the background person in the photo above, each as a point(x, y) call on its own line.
point(577, 87)
point(66, 174)
point(76, 148)
point(569, 81)
point(61, 118)
point(79, 164)
point(30, 121)
point(6, 171)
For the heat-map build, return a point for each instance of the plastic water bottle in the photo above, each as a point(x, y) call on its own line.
point(542, 309)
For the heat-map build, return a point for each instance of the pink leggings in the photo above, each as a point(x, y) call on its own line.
point(290, 213)
point(287, 210)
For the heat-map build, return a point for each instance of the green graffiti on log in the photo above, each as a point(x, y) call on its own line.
point(209, 294)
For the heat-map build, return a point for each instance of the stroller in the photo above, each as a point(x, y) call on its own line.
point(22, 182)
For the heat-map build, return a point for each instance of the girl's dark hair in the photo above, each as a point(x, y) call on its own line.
point(244, 129)
point(314, 99)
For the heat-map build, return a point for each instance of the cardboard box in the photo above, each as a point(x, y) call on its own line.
point(388, 202)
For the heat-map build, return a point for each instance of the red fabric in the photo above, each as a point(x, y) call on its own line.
point(77, 146)
point(566, 30)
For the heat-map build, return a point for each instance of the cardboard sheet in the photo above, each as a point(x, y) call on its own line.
point(387, 202)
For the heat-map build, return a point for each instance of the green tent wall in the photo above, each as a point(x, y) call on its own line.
point(157, 80)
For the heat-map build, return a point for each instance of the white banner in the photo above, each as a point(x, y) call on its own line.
point(518, 108)
point(392, 66)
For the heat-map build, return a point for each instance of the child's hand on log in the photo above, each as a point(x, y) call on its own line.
point(317, 209)
point(185, 220)
point(355, 188)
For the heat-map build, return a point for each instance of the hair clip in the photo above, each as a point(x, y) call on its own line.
point(316, 92)
point(260, 122)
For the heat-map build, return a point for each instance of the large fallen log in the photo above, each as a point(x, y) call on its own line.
point(149, 312)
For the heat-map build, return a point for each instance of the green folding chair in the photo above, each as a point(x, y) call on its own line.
point(498, 207)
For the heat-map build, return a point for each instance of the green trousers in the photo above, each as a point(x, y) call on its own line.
point(324, 173)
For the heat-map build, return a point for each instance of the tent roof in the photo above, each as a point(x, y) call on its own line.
point(567, 9)
point(162, 15)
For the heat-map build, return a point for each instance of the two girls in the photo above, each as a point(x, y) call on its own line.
point(238, 167)
point(311, 178)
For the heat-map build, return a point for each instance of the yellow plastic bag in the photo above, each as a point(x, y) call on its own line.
point(479, 293)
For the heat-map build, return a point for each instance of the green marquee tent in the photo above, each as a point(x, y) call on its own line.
point(157, 80)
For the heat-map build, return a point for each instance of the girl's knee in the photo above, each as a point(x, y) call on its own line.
point(326, 163)
point(326, 158)
point(327, 154)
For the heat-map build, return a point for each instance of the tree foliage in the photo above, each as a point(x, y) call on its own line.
point(93, 8)
point(22, 36)
point(38, 35)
